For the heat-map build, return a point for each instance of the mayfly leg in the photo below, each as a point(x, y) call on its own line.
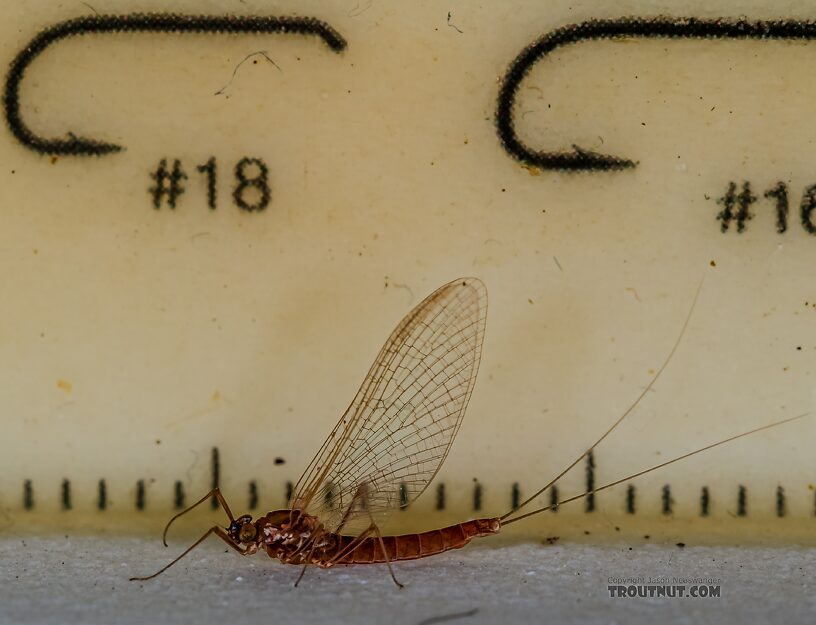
point(213, 530)
point(308, 561)
point(359, 495)
point(215, 492)
point(316, 535)
point(384, 552)
point(357, 541)
point(350, 547)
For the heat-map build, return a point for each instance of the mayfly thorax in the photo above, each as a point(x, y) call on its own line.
point(390, 443)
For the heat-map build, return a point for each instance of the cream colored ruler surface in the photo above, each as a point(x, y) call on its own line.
point(320, 193)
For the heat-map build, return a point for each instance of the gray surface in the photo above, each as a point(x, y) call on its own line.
point(84, 580)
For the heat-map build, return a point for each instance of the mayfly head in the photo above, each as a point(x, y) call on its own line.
point(243, 530)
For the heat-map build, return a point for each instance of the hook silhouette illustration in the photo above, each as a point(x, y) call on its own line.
point(579, 159)
point(136, 23)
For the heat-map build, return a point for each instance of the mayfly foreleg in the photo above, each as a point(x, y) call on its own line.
point(213, 530)
point(215, 492)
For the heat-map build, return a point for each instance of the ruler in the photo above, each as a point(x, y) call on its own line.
point(211, 223)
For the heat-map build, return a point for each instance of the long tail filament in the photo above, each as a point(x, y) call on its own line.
point(654, 468)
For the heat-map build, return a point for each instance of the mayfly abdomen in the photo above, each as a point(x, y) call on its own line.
point(413, 546)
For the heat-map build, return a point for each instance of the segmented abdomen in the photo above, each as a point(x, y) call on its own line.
point(413, 546)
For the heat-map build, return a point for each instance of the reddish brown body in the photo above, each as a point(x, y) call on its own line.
point(413, 546)
point(294, 537)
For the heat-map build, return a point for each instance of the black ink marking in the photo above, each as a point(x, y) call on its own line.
point(403, 495)
point(667, 500)
point(167, 184)
point(781, 506)
point(253, 495)
point(440, 496)
point(515, 496)
point(705, 501)
point(262, 53)
point(279, 460)
point(780, 194)
point(209, 169)
point(28, 495)
point(590, 482)
point(215, 475)
point(807, 207)
point(742, 202)
point(727, 202)
point(630, 499)
point(102, 496)
point(179, 498)
point(477, 496)
point(742, 503)
point(621, 28)
point(137, 23)
point(554, 499)
point(289, 491)
point(260, 182)
point(140, 495)
point(66, 494)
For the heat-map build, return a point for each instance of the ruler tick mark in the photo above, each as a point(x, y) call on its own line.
point(590, 482)
point(253, 495)
point(742, 503)
point(780, 501)
point(178, 495)
point(630, 499)
point(440, 496)
point(140, 495)
point(403, 495)
point(215, 470)
point(554, 499)
point(66, 494)
point(28, 495)
point(667, 500)
point(102, 501)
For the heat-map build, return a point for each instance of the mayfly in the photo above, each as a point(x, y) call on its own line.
point(389, 445)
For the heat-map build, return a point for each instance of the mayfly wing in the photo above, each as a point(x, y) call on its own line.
point(392, 439)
